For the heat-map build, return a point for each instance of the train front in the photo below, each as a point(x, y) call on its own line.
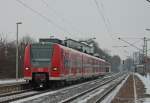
point(37, 62)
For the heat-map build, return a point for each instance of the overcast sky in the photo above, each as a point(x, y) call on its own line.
point(79, 19)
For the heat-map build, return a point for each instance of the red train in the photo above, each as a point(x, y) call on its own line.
point(52, 62)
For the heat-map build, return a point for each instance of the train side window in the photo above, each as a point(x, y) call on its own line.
point(66, 61)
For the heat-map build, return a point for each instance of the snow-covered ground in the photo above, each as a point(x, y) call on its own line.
point(10, 81)
point(146, 82)
point(111, 96)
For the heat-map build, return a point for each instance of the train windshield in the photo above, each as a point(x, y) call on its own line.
point(41, 55)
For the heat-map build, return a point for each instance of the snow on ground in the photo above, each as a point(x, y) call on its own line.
point(146, 81)
point(40, 96)
point(90, 96)
point(36, 98)
point(146, 100)
point(111, 96)
point(10, 81)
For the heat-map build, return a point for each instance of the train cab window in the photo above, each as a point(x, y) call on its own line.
point(41, 55)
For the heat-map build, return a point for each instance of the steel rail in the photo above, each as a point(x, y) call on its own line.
point(17, 97)
point(108, 91)
point(89, 90)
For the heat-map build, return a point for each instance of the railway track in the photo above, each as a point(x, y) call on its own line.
point(6, 89)
point(14, 91)
point(100, 92)
point(67, 94)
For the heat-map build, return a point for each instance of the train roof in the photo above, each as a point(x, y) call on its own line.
point(67, 48)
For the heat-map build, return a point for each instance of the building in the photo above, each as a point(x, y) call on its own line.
point(81, 46)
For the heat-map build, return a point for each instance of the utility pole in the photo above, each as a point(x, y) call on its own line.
point(145, 53)
point(17, 50)
point(145, 47)
point(143, 50)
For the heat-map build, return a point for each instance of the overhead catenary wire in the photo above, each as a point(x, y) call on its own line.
point(41, 15)
point(136, 42)
point(130, 44)
point(59, 15)
point(103, 18)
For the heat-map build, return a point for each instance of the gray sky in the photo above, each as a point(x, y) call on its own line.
point(79, 19)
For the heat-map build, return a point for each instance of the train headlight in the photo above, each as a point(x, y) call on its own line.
point(27, 68)
point(55, 69)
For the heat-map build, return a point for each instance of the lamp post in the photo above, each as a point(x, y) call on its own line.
point(17, 50)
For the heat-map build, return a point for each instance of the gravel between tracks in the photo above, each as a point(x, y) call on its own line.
point(59, 95)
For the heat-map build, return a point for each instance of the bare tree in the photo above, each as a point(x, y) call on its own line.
point(27, 40)
point(8, 56)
